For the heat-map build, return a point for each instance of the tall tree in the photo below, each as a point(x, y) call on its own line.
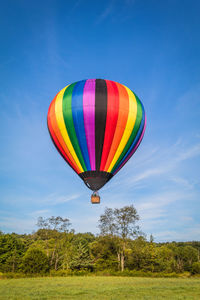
point(120, 222)
point(53, 230)
point(54, 223)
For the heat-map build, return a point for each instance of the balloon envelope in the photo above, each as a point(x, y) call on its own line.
point(96, 125)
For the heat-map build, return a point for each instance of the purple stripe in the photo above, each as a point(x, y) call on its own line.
point(134, 149)
point(89, 119)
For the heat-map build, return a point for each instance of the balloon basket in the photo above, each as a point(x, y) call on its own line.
point(95, 198)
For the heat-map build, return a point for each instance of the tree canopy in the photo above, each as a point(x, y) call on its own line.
point(120, 246)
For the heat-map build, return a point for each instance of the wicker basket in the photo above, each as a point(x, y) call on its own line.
point(95, 199)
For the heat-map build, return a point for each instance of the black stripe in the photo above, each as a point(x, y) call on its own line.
point(100, 118)
point(95, 180)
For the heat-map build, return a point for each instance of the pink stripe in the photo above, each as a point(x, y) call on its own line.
point(134, 149)
point(89, 119)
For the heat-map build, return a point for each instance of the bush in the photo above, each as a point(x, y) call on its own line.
point(10, 275)
point(64, 273)
point(195, 268)
point(35, 261)
point(142, 273)
point(60, 273)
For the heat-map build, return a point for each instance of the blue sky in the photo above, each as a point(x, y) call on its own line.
point(150, 46)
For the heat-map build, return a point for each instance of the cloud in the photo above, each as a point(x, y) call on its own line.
point(105, 13)
point(188, 153)
point(163, 161)
point(183, 182)
point(39, 212)
point(191, 233)
point(189, 101)
point(155, 205)
point(18, 225)
point(148, 173)
point(53, 199)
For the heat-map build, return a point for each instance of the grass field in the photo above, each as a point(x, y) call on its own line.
point(100, 288)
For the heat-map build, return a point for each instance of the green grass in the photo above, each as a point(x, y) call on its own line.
point(101, 288)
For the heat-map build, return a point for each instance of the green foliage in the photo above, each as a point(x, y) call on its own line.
point(104, 253)
point(11, 250)
point(54, 223)
point(120, 223)
point(195, 268)
point(81, 255)
point(35, 261)
point(58, 251)
point(185, 256)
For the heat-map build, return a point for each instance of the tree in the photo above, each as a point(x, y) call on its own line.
point(35, 261)
point(151, 239)
point(53, 230)
point(137, 256)
point(195, 268)
point(122, 223)
point(12, 249)
point(54, 223)
point(81, 254)
point(165, 259)
point(184, 256)
point(104, 252)
point(107, 222)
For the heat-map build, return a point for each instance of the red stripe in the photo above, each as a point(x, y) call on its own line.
point(121, 123)
point(111, 120)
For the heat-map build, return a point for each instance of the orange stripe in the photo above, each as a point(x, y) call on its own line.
point(57, 144)
point(121, 122)
point(59, 136)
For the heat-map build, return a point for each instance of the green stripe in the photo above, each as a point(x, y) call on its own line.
point(67, 114)
point(133, 133)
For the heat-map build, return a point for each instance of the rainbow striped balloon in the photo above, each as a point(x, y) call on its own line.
point(96, 125)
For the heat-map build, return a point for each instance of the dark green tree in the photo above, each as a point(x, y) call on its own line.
point(12, 249)
point(81, 255)
point(136, 257)
point(195, 269)
point(104, 252)
point(35, 261)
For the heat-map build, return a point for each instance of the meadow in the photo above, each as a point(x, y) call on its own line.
point(104, 288)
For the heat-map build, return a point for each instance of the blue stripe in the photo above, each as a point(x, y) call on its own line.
point(78, 119)
point(135, 140)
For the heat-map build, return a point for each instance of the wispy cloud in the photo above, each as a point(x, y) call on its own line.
point(54, 199)
point(18, 225)
point(39, 212)
point(191, 233)
point(188, 153)
point(183, 182)
point(190, 100)
point(106, 12)
point(164, 161)
point(155, 205)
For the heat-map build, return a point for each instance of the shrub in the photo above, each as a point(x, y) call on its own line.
point(196, 268)
point(35, 261)
point(61, 273)
point(11, 275)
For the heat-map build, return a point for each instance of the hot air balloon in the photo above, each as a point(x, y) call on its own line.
point(96, 125)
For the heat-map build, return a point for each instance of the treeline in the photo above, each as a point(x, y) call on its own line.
point(120, 249)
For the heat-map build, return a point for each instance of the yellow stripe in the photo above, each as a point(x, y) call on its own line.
point(62, 127)
point(128, 129)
